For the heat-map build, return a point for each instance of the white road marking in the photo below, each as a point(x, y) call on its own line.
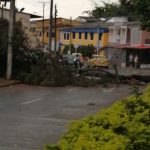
point(71, 89)
point(109, 90)
point(31, 101)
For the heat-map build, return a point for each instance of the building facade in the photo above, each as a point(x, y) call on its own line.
point(127, 38)
point(37, 30)
point(87, 34)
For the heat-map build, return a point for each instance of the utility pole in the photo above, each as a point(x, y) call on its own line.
point(10, 39)
point(70, 35)
point(55, 30)
point(2, 11)
point(43, 26)
point(98, 36)
point(50, 26)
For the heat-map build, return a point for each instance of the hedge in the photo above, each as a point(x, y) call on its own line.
point(123, 126)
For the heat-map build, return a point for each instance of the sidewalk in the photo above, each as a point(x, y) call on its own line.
point(4, 82)
point(131, 71)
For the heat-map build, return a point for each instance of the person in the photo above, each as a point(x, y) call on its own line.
point(136, 60)
point(131, 60)
point(77, 62)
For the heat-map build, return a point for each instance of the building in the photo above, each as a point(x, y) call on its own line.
point(37, 30)
point(19, 16)
point(126, 38)
point(25, 20)
point(95, 34)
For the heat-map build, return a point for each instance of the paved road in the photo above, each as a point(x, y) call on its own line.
point(32, 116)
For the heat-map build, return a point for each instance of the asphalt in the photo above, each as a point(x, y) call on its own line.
point(32, 116)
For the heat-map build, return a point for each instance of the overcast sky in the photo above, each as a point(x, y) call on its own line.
point(66, 8)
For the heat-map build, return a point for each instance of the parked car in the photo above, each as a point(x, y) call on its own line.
point(98, 61)
point(68, 58)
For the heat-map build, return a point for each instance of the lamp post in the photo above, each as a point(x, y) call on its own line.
point(10, 39)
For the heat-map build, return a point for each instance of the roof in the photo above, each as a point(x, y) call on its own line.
point(139, 47)
point(53, 19)
point(31, 15)
point(125, 46)
point(87, 19)
point(93, 25)
point(88, 27)
point(118, 19)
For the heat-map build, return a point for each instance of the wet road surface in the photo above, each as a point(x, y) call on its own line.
point(33, 116)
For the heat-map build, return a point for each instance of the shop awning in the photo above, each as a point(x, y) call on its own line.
point(118, 46)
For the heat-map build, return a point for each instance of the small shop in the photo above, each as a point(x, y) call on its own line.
point(142, 53)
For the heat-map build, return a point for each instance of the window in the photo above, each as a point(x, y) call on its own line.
point(111, 35)
point(100, 36)
point(74, 35)
point(47, 34)
point(135, 36)
point(91, 36)
point(68, 35)
point(85, 35)
point(80, 35)
point(65, 37)
point(40, 33)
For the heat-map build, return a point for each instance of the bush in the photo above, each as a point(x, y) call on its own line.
point(86, 51)
point(124, 126)
point(67, 48)
point(47, 72)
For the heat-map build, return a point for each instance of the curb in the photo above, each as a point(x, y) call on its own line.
point(9, 84)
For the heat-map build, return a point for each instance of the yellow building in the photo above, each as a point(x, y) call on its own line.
point(95, 34)
point(60, 22)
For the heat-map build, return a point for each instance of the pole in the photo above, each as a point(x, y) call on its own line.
point(98, 37)
point(55, 30)
point(50, 26)
point(70, 35)
point(43, 26)
point(10, 39)
point(2, 11)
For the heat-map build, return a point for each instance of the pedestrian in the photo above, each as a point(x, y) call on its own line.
point(136, 61)
point(77, 62)
point(131, 60)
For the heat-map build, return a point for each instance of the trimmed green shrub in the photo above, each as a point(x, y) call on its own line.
point(123, 126)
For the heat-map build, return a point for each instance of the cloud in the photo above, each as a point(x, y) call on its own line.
point(66, 8)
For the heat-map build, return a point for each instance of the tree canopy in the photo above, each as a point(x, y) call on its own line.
point(138, 10)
